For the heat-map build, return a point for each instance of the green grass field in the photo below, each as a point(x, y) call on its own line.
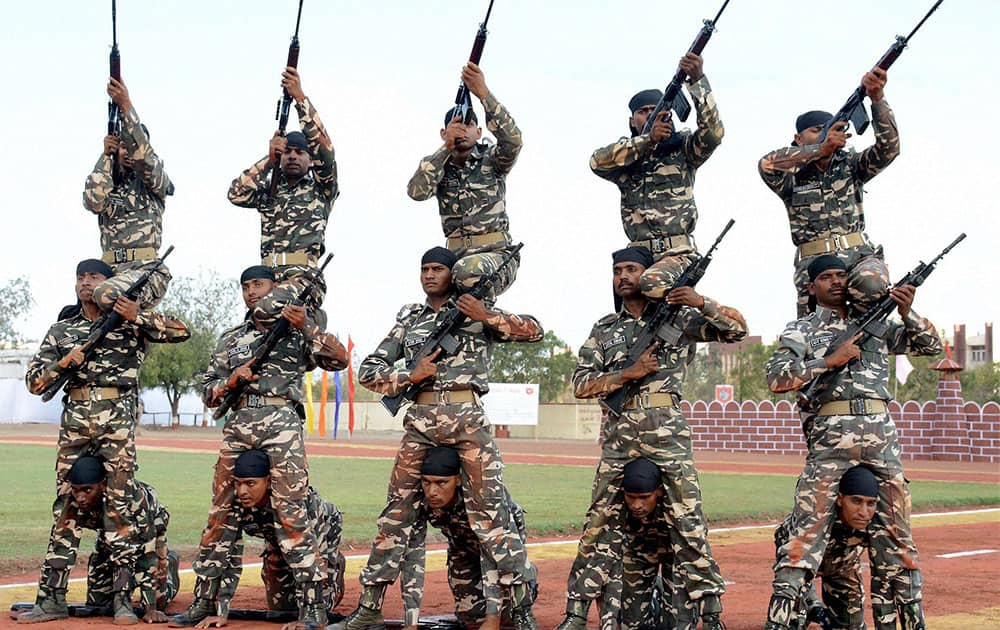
point(555, 497)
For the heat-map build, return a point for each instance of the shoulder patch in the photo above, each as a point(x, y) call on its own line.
point(408, 311)
point(608, 319)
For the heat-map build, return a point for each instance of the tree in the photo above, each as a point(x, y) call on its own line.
point(550, 363)
point(15, 301)
point(208, 304)
point(982, 384)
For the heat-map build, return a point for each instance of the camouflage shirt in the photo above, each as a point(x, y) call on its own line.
point(805, 342)
point(603, 355)
point(281, 375)
point(466, 369)
point(657, 182)
point(295, 219)
point(129, 214)
point(647, 541)
point(114, 362)
point(843, 547)
point(821, 203)
point(471, 197)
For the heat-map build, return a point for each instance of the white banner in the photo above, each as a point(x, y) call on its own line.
point(512, 403)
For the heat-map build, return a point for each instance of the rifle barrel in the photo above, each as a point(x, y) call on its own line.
point(298, 19)
point(921, 23)
point(114, 24)
point(489, 10)
point(719, 14)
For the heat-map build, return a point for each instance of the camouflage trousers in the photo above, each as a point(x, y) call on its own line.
point(662, 436)
point(106, 293)
point(281, 589)
point(150, 574)
point(474, 264)
point(649, 598)
point(867, 276)
point(292, 282)
point(278, 432)
point(464, 427)
point(474, 600)
point(835, 444)
point(657, 280)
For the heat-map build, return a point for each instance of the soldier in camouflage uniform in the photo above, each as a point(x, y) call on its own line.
point(846, 424)
point(655, 173)
point(653, 427)
point(293, 222)
point(822, 186)
point(127, 194)
point(447, 412)
point(479, 598)
point(155, 568)
point(469, 179)
point(267, 417)
point(98, 414)
point(256, 517)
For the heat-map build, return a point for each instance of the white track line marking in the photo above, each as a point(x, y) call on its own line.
point(962, 554)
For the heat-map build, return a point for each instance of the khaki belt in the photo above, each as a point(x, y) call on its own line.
point(832, 244)
point(276, 259)
point(854, 407)
point(124, 255)
point(477, 240)
point(82, 394)
point(256, 401)
point(651, 401)
point(447, 397)
point(665, 243)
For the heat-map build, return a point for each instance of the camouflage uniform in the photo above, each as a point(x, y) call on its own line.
point(267, 418)
point(99, 419)
point(648, 553)
point(826, 205)
point(130, 216)
point(293, 223)
point(472, 576)
point(472, 200)
point(326, 524)
point(838, 442)
point(658, 433)
point(657, 189)
point(461, 425)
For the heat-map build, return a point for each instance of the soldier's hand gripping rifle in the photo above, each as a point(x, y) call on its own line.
point(673, 98)
point(284, 106)
point(108, 322)
point(854, 109)
point(463, 101)
point(661, 327)
point(278, 331)
point(443, 336)
point(872, 324)
point(114, 112)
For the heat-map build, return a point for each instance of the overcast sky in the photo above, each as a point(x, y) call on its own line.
point(204, 77)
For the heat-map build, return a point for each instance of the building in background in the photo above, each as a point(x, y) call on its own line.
point(972, 351)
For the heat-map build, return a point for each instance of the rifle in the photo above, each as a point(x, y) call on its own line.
point(443, 336)
point(660, 327)
point(276, 333)
point(673, 98)
point(872, 324)
point(463, 102)
point(854, 109)
point(114, 112)
point(108, 322)
point(285, 102)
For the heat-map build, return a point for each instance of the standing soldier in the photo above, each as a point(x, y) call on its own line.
point(655, 173)
point(98, 418)
point(469, 179)
point(447, 412)
point(127, 191)
point(267, 417)
point(822, 186)
point(847, 423)
point(479, 598)
point(293, 221)
point(652, 426)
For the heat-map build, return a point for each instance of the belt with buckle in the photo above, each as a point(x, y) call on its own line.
point(82, 394)
point(853, 407)
point(477, 240)
point(446, 397)
point(651, 401)
point(834, 243)
point(276, 259)
point(124, 255)
point(662, 244)
point(256, 401)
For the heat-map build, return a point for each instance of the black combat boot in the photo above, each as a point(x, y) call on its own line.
point(50, 606)
point(523, 597)
point(711, 612)
point(911, 616)
point(312, 608)
point(368, 614)
point(205, 604)
point(576, 615)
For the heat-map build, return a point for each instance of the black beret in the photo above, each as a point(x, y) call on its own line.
point(639, 255)
point(641, 476)
point(252, 463)
point(441, 255)
point(257, 271)
point(811, 119)
point(451, 113)
point(859, 481)
point(298, 140)
point(87, 470)
point(824, 262)
point(441, 461)
point(644, 99)
point(93, 265)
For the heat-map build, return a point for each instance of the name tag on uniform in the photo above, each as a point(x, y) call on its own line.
point(416, 341)
point(615, 341)
point(237, 350)
point(822, 341)
point(805, 187)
